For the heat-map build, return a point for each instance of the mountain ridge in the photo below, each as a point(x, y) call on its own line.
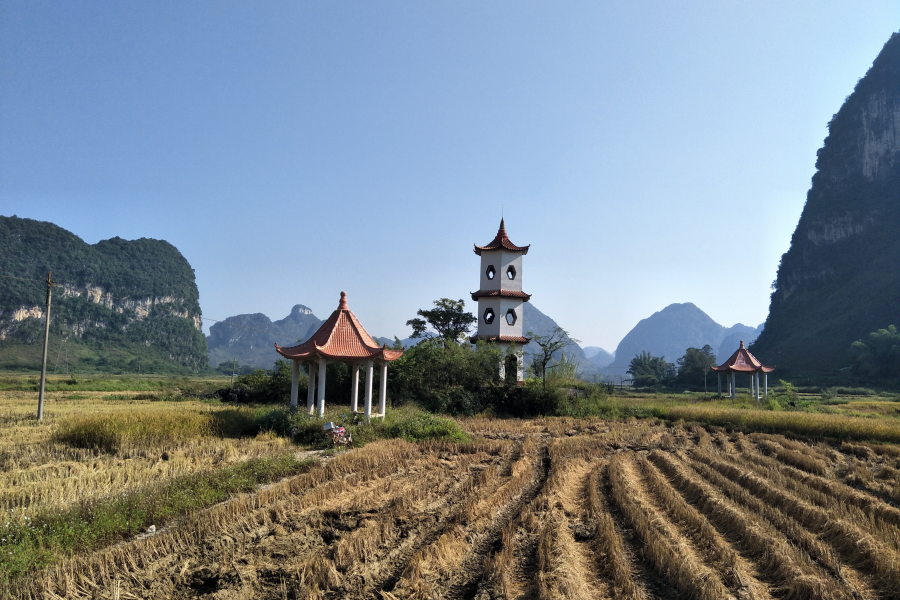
point(671, 331)
point(118, 305)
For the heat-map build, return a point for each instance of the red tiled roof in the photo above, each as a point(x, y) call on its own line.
point(502, 241)
point(742, 362)
point(341, 336)
point(502, 293)
point(518, 339)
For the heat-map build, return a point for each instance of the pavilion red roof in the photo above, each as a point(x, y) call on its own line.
point(340, 337)
point(502, 293)
point(742, 362)
point(502, 242)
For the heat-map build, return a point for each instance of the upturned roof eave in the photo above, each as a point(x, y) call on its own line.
point(501, 293)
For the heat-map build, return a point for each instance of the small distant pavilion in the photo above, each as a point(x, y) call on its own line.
point(743, 362)
point(341, 338)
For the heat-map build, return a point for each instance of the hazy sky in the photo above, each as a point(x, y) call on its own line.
point(650, 152)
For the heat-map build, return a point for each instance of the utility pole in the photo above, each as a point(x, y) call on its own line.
point(50, 285)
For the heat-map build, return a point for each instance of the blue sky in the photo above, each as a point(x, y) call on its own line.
point(650, 152)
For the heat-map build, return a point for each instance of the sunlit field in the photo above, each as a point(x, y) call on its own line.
point(663, 496)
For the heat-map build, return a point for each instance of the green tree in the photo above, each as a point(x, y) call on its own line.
point(693, 367)
point(448, 318)
point(549, 345)
point(648, 370)
point(451, 378)
point(877, 356)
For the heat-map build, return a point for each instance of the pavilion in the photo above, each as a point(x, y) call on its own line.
point(743, 362)
point(341, 338)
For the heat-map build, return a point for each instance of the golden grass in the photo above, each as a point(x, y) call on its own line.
point(156, 441)
point(802, 423)
point(133, 431)
point(438, 518)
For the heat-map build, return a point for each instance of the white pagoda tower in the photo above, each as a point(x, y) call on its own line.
point(500, 299)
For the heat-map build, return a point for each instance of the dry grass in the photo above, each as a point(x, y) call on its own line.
point(791, 571)
point(672, 557)
point(544, 508)
point(854, 545)
point(609, 550)
point(801, 423)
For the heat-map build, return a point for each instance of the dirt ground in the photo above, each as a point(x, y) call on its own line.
point(579, 509)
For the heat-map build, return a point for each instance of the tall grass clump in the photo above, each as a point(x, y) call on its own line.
point(117, 431)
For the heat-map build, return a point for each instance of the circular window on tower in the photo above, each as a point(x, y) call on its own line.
point(489, 316)
point(490, 272)
point(511, 317)
point(511, 272)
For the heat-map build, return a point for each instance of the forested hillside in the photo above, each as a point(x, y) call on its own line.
point(839, 280)
point(118, 305)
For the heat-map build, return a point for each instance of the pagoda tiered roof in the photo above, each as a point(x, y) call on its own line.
point(742, 362)
point(340, 337)
point(516, 339)
point(502, 293)
point(501, 242)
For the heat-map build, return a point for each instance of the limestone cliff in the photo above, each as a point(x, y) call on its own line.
point(118, 305)
point(839, 280)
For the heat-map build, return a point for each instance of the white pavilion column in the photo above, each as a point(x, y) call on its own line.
point(295, 383)
point(733, 386)
point(719, 379)
point(370, 373)
point(354, 392)
point(322, 370)
point(382, 393)
point(756, 381)
point(311, 388)
point(766, 376)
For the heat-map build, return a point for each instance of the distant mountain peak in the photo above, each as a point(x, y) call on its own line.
point(669, 332)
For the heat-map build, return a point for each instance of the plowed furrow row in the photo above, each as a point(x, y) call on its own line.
point(471, 573)
point(863, 510)
point(854, 545)
point(611, 555)
point(670, 554)
point(384, 568)
point(130, 562)
point(736, 573)
point(789, 571)
point(566, 567)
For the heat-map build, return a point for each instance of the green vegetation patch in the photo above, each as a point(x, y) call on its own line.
point(37, 542)
point(408, 422)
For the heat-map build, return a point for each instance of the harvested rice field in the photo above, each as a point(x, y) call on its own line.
point(545, 508)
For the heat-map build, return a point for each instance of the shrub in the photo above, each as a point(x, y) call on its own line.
point(421, 426)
